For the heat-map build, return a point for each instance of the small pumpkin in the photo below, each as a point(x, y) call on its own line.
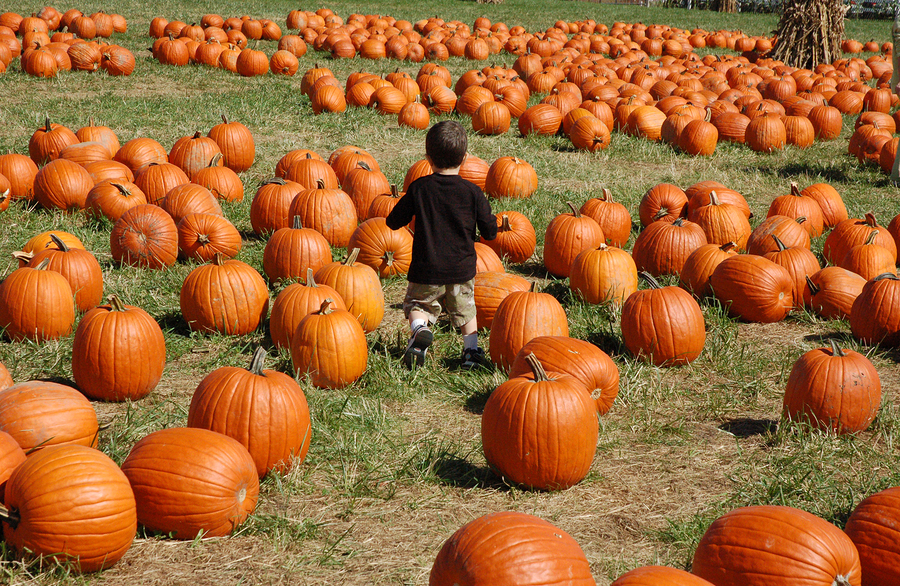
point(329, 347)
point(226, 296)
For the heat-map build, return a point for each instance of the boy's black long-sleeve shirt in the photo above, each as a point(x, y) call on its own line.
point(447, 209)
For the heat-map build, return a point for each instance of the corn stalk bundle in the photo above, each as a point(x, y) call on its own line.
point(810, 32)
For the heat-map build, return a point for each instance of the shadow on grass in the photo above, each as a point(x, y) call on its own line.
point(744, 427)
point(459, 472)
point(173, 321)
point(475, 402)
point(828, 172)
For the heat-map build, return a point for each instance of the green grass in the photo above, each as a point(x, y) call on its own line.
point(395, 464)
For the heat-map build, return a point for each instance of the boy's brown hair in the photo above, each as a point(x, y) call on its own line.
point(446, 144)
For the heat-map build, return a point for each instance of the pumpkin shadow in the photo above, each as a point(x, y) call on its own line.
point(608, 342)
point(173, 322)
point(746, 427)
point(460, 473)
point(475, 402)
point(792, 170)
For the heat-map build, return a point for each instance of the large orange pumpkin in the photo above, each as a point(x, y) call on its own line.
point(520, 317)
point(276, 430)
point(226, 296)
point(329, 347)
point(72, 504)
point(753, 288)
point(541, 430)
point(659, 576)
point(36, 304)
point(188, 480)
point(874, 527)
point(775, 546)
point(510, 547)
point(39, 414)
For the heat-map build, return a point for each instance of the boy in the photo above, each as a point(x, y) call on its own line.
point(447, 209)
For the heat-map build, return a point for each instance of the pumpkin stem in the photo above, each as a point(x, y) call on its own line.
point(214, 161)
point(310, 282)
point(801, 219)
point(4, 195)
point(122, 189)
point(297, 224)
point(504, 224)
point(363, 165)
point(22, 256)
point(275, 180)
point(351, 258)
point(320, 184)
point(813, 288)
point(59, 243)
point(219, 259)
point(870, 220)
point(326, 308)
point(224, 119)
point(835, 349)
point(115, 303)
point(795, 189)
point(257, 362)
point(394, 191)
point(606, 194)
point(678, 222)
point(603, 247)
point(47, 127)
point(43, 264)
point(872, 235)
point(11, 516)
point(203, 239)
point(728, 246)
point(196, 135)
point(662, 213)
point(388, 257)
point(779, 243)
point(575, 211)
point(540, 375)
point(654, 284)
point(887, 277)
point(714, 199)
point(841, 581)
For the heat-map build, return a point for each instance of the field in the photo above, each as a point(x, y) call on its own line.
point(395, 465)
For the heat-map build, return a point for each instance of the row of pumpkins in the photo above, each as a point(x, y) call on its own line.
point(43, 55)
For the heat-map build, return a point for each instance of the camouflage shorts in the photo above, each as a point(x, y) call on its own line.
point(457, 299)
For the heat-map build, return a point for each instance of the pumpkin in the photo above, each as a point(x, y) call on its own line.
point(492, 287)
point(868, 259)
point(516, 239)
point(540, 119)
point(79, 267)
point(193, 153)
point(104, 348)
point(800, 263)
point(662, 202)
point(276, 431)
point(39, 414)
point(790, 232)
point(329, 347)
point(775, 546)
point(109, 171)
point(753, 288)
point(85, 153)
point(48, 141)
point(156, 180)
point(414, 115)
point(721, 222)
point(491, 118)
point(830, 202)
point(144, 236)
point(511, 177)
point(363, 184)
point(62, 184)
point(612, 216)
point(510, 547)
point(796, 205)
point(221, 181)
point(271, 205)
point(11, 455)
point(699, 266)
point(20, 171)
point(36, 304)
point(872, 527)
point(852, 232)
point(659, 576)
point(202, 236)
point(833, 389)
point(566, 236)
point(663, 325)
point(295, 302)
point(831, 292)
point(520, 317)
point(236, 143)
point(875, 314)
point(225, 296)
point(487, 259)
point(359, 286)
point(603, 274)
point(540, 431)
point(766, 133)
point(329, 211)
point(111, 198)
point(190, 198)
point(96, 524)
point(576, 358)
point(388, 252)
point(189, 481)
point(139, 152)
point(290, 252)
point(663, 247)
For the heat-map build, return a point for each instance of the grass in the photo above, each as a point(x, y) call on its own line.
point(395, 464)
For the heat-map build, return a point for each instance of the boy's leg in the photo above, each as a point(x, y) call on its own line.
point(460, 305)
point(421, 308)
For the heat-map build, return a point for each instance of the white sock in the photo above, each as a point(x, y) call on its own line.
point(416, 324)
point(470, 341)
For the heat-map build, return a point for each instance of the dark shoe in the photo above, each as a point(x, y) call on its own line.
point(473, 358)
point(418, 347)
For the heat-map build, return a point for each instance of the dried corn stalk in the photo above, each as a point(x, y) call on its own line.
point(810, 32)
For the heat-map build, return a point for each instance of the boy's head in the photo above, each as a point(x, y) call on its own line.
point(446, 144)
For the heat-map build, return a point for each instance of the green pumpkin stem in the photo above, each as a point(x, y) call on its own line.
point(258, 361)
point(297, 223)
point(575, 211)
point(813, 288)
point(351, 258)
point(779, 243)
point(872, 236)
point(654, 284)
point(887, 276)
point(43, 264)
point(10, 516)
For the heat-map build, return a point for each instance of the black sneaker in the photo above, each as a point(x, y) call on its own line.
point(418, 347)
point(473, 358)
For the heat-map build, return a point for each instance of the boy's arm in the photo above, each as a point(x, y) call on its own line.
point(485, 220)
point(402, 214)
